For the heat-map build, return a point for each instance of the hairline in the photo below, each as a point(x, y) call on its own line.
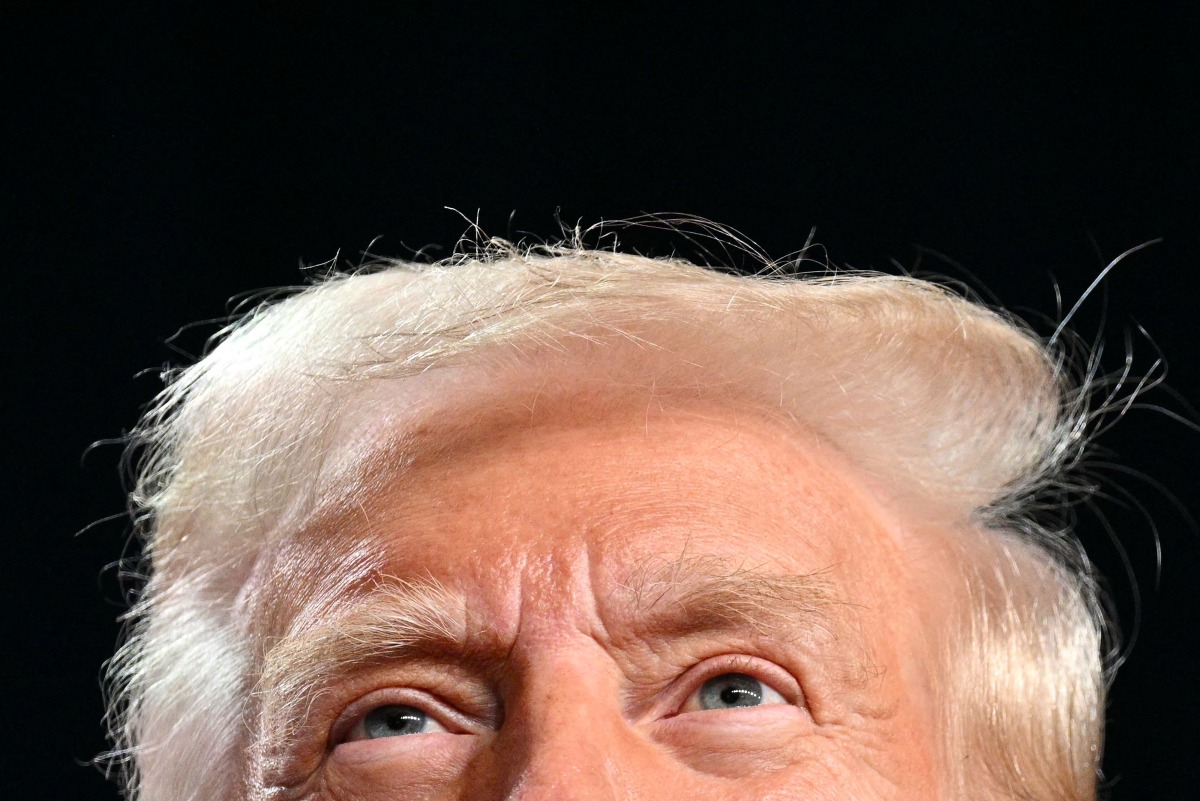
point(997, 506)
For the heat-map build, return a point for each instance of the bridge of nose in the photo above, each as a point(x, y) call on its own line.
point(565, 731)
point(565, 734)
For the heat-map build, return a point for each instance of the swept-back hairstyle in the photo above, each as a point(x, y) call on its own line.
point(959, 413)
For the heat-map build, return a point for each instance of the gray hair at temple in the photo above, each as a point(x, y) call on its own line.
point(957, 413)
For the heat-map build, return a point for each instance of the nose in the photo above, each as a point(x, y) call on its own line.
point(565, 737)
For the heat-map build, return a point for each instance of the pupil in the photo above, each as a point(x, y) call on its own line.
point(731, 695)
point(731, 690)
point(402, 721)
point(394, 720)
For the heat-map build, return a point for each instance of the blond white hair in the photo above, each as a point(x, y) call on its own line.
point(959, 412)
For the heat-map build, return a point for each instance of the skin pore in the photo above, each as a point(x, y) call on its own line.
point(604, 603)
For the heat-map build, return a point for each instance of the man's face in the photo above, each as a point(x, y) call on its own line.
point(636, 605)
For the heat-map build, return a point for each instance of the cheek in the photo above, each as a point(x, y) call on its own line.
point(424, 767)
point(782, 754)
point(741, 743)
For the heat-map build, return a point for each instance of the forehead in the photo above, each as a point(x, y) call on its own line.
point(590, 493)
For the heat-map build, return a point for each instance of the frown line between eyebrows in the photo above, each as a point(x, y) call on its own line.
point(398, 619)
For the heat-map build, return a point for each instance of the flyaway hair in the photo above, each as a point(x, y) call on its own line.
point(955, 413)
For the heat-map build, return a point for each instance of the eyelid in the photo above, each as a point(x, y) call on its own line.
point(770, 674)
point(449, 718)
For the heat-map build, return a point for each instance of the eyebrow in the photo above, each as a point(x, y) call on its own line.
point(688, 594)
point(413, 618)
point(396, 618)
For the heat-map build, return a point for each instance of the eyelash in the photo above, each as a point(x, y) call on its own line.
point(445, 714)
point(770, 674)
point(678, 694)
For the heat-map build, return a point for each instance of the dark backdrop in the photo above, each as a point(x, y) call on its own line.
point(157, 163)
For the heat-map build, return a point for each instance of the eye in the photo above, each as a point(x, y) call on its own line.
point(732, 691)
point(393, 720)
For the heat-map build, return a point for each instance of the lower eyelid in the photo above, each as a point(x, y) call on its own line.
point(771, 676)
point(413, 751)
point(355, 713)
point(431, 724)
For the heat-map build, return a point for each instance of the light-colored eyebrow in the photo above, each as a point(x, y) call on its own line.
point(396, 618)
point(662, 599)
point(671, 597)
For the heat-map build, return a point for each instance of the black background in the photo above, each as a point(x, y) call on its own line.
point(157, 163)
